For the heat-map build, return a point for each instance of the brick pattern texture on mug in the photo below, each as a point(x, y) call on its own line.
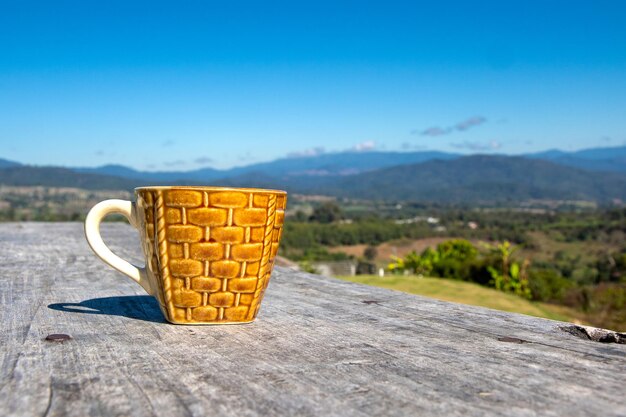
point(213, 250)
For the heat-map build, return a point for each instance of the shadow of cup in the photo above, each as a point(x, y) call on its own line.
point(138, 307)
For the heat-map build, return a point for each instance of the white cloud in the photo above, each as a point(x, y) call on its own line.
point(469, 123)
point(434, 131)
point(478, 146)
point(319, 150)
point(459, 127)
point(203, 160)
point(365, 146)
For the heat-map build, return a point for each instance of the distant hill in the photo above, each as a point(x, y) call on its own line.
point(5, 163)
point(480, 179)
point(62, 177)
point(330, 164)
point(340, 164)
point(351, 163)
point(595, 159)
point(114, 170)
point(454, 179)
point(205, 174)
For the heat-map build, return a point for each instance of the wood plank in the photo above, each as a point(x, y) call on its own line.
point(320, 347)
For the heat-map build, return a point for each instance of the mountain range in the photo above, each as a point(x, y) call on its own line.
point(350, 163)
point(595, 159)
point(330, 164)
point(482, 179)
point(597, 174)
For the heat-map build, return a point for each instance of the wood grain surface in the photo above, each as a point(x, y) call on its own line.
point(319, 347)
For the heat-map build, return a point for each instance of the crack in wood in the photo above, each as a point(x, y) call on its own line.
point(595, 334)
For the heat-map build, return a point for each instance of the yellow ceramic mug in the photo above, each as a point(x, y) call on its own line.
point(209, 250)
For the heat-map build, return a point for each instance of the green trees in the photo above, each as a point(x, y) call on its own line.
point(547, 284)
point(450, 259)
point(417, 264)
point(509, 275)
point(459, 259)
point(456, 259)
point(326, 213)
point(458, 249)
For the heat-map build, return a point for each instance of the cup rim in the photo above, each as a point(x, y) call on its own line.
point(210, 188)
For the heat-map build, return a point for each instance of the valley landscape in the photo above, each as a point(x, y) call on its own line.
point(416, 216)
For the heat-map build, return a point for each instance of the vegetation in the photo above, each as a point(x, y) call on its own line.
point(328, 212)
point(459, 259)
point(572, 258)
point(52, 204)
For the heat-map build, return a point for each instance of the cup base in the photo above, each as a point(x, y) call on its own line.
point(208, 323)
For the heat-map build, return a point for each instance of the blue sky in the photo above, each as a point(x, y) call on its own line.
point(181, 85)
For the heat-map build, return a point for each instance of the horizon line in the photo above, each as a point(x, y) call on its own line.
point(348, 151)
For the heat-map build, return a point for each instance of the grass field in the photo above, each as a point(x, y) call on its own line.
point(469, 293)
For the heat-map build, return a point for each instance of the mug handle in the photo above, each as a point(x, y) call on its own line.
point(92, 233)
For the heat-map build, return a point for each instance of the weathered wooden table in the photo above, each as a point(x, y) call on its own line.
point(320, 347)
